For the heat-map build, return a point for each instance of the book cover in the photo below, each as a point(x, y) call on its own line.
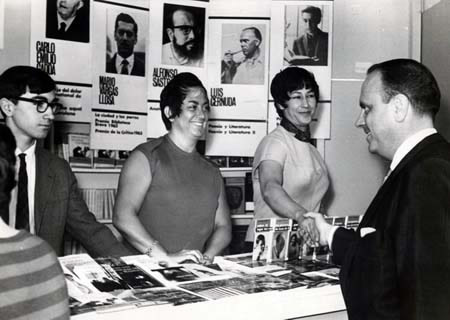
point(235, 192)
point(280, 238)
point(263, 239)
point(104, 158)
point(80, 154)
point(294, 242)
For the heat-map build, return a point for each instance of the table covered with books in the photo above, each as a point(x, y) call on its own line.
point(233, 287)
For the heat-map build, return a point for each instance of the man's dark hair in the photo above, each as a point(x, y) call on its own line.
point(316, 13)
point(256, 32)
point(17, 80)
point(288, 80)
point(7, 163)
point(412, 79)
point(124, 17)
point(175, 92)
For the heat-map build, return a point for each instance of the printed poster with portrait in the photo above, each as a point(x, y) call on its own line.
point(238, 66)
point(177, 42)
point(119, 92)
point(302, 36)
point(61, 46)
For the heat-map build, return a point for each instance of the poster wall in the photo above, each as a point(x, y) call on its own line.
point(119, 91)
point(62, 47)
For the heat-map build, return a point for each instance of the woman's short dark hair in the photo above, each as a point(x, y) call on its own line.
point(175, 92)
point(288, 80)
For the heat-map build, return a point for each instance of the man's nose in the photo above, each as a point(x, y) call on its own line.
point(48, 114)
point(361, 120)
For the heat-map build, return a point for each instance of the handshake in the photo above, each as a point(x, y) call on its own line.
point(314, 229)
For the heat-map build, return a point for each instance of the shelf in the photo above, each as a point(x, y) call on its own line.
point(236, 169)
point(96, 170)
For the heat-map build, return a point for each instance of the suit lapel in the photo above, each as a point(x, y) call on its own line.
point(44, 185)
point(386, 189)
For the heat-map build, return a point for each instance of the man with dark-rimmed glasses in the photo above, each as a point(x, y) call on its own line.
point(184, 48)
point(46, 201)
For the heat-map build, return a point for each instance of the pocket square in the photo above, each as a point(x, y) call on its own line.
point(365, 231)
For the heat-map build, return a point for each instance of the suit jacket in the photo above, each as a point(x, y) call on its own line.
point(401, 270)
point(320, 50)
point(138, 66)
point(59, 208)
point(77, 31)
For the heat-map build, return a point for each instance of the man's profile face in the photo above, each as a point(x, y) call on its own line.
point(182, 34)
point(68, 8)
point(309, 23)
point(249, 43)
point(376, 117)
point(27, 121)
point(125, 38)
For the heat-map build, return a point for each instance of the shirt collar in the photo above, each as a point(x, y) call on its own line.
point(130, 59)
point(68, 22)
point(409, 144)
point(29, 152)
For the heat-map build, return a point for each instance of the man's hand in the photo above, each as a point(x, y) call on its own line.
point(309, 232)
point(323, 227)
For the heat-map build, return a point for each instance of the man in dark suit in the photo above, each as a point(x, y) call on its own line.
point(396, 265)
point(312, 47)
point(126, 61)
point(68, 20)
point(49, 204)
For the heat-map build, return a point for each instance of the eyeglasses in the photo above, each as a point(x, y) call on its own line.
point(41, 104)
point(186, 29)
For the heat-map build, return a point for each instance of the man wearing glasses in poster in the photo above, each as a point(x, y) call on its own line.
point(46, 201)
point(185, 47)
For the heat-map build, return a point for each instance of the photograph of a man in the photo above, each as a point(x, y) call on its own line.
point(183, 36)
point(68, 20)
point(311, 46)
point(247, 64)
point(126, 61)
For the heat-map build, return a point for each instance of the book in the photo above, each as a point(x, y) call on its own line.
point(279, 245)
point(263, 239)
point(80, 154)
point(104, 158)
point(235, 192)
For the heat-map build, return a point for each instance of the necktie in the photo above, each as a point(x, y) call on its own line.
point(304, 136)
point(22, 211)
point(124, 67)
point(62, 27)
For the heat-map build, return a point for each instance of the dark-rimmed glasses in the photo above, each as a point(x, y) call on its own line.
point(186, 29)
point(41, 104)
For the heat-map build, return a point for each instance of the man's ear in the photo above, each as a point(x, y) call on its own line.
point(170, 33)
point(7, 106)
point(80, 5)
point(401, 106)
point(168, 113)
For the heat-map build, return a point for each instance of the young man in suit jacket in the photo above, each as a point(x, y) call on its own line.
point(53, 203)
point(396, 264)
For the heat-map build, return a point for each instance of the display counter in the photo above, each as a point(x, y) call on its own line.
point(235, 287)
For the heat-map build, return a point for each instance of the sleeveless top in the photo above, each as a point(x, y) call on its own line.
point(180, 205)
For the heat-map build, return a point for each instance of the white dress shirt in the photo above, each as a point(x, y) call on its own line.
point(400, 153)
point(130, 65)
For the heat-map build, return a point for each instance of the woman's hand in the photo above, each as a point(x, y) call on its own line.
point(191, 256)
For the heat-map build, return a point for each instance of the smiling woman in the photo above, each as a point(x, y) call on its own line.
point(290, 177)
point(171, 201)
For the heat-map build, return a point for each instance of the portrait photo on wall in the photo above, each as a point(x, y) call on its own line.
point(125, 42)
point(306, 35)
point(243, 59)
point(183, 38)
point(68, 20)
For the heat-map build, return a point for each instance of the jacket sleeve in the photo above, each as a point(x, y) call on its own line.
point(96, 237)
point(342, 240)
